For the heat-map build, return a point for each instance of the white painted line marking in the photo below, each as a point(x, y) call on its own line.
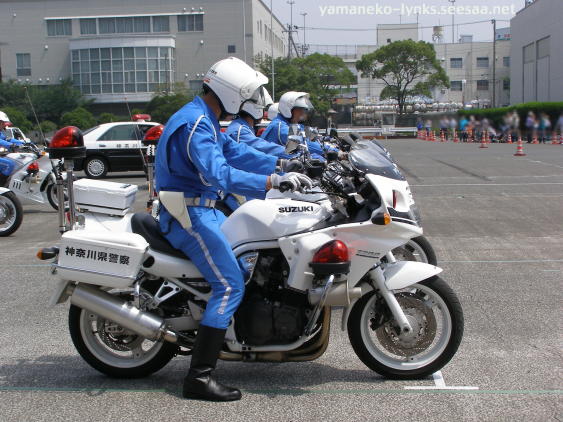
point(439, 379)
point(431, 387)
point(439, 384)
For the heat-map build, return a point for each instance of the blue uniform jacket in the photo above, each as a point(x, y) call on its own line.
point(194, 157)
point(278, 131)
point(8, 143)
point(240, 131)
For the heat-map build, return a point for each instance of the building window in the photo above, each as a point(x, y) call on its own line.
point(455, 86)
point(506, 84)
point(543, 48)
point(59, 27)
point(483, 62)
point(506, 61)
point(23, 64)
point(231, 49)
point(160, 24)
point(122, 69)
point(88, 27)
point(482, 85)
point(106, 25)
point(190, 23)
point(456, 63)
point(528, 53)
point(142, 24)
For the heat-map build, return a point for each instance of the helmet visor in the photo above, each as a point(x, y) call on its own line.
point(304, 103)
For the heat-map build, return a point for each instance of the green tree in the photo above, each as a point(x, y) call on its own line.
point(165, 104)
point(406, 67)
point(321, 75)
point(109, 118)
point(50, 102)
point(79, 117)
point(18, 118)
point(47, 126)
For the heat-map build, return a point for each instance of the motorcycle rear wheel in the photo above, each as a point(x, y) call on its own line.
point(434, 312)
point(117, 356)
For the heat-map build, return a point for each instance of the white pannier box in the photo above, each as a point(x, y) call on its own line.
point(104, 197)
point(101, 258)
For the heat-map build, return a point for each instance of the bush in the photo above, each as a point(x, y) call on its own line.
point(79, 117)
point(18, 119)
point(553, 109)
point(48, 126)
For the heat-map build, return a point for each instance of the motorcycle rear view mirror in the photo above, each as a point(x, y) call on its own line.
point(292, 144)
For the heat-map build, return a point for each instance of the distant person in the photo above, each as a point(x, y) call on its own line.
point(531, 125)
point(428, 126)
point(453, 126)
point(544, 127)
point(463, 124)
point(444, 125)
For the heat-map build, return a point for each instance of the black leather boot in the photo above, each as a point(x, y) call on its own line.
point(199, 383)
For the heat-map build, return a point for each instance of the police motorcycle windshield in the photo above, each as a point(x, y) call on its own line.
point(369, 159)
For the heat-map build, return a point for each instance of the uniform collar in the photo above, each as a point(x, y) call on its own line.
point(208, 112)
point(243, 122)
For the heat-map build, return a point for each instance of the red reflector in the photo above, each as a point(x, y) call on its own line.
point(394, 199)
point(154, 133)
point(33, 167)
point(143, 117)
point(331, 252)
point(67, 137)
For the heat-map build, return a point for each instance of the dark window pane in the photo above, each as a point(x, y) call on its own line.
point(198, 22)
point(106, 25)
point(105, 53)
point(142, 24)
point(88, 26)
point(161, 24)
point(124, 25)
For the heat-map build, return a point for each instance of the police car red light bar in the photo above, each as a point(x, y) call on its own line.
point(67, 137)
point(154, 133)
point(141, 117)
point(332, 252)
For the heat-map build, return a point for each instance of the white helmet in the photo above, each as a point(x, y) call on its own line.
point(234, 82)
point(291, 100)
point(273, 111)
point(4, 117)
point(255, 106)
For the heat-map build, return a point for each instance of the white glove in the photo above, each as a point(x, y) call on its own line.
point(291, 181)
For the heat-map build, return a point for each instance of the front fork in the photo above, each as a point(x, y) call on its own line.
point(378, 278)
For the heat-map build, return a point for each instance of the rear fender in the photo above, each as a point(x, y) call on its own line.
point(4, 190)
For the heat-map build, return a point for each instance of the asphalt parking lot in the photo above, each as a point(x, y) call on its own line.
point(496, 222)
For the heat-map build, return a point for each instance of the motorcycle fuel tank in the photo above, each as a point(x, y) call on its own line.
point(271, 219)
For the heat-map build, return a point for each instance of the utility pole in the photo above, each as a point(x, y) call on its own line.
point(494, 22)
point(290, 30)
point(272, 47)
point(244, 28)
point(304, 14)
point(453, 16)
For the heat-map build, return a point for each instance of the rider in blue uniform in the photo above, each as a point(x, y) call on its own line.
point(9, 144)
point(292, 109)
point(194, 163)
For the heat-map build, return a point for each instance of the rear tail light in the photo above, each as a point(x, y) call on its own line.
point(332, 252)
point(33, 167)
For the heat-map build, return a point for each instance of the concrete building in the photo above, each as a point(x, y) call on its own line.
point(114, 50)
point(537, 60)
point(468, 64)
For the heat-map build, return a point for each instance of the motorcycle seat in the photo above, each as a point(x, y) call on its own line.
point(145, 225)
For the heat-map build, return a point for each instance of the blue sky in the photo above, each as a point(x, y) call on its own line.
point(389, 11)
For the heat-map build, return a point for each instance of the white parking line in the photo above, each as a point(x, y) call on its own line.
point(439, 384)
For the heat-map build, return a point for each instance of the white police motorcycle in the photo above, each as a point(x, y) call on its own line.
point(136, 302)
point(33, 180)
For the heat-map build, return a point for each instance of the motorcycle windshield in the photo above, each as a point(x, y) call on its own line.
point(370, 159)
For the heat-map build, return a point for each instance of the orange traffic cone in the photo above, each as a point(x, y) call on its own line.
point(535, 139)
point(554, 139)
point(442, 137)
point(471, 133)
point(509, 138)
point(456, 139)
point(483, 141)
point(433, 136)
point(519, 148)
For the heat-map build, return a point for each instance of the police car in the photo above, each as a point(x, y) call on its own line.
point(115, 147)
point(13, 132)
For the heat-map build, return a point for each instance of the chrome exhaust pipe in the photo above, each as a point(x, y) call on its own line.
point(121, 312)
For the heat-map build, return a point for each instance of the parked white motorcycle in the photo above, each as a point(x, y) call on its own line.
point(33, 181)
point(11, 212)
point(136, 302)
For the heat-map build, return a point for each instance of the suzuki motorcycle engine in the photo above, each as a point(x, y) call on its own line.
point(270, 313)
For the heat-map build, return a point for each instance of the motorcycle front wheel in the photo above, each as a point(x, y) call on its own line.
point(11, 213)
point(417, 249)
point(435, 314)
point(53, 198)
point(114, 351)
